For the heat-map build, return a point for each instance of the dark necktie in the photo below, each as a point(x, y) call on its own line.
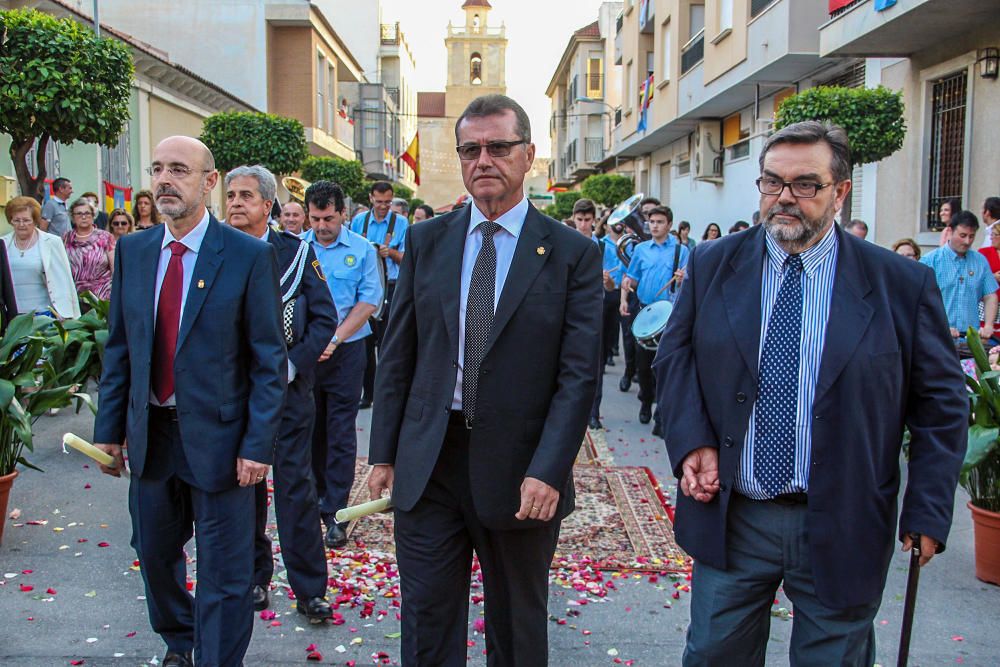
point(479, 316)
point(168, 318)
point(777, 392)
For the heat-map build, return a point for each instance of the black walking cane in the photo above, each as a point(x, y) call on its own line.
point(910, 602)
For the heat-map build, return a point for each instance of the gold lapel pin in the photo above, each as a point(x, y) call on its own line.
point(201, 284)
point(540, 250)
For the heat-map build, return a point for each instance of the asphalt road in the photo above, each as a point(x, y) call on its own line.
point(85, 601)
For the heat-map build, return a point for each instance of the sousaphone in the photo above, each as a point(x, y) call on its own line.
point(296, 188)
point(627, 221)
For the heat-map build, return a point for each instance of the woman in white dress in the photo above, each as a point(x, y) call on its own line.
point(39, 266)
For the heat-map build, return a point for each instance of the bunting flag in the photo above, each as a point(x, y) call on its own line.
point(643, 12)
point(552, 187)
point(644, 95)
point(412, 157)
point(116, 196)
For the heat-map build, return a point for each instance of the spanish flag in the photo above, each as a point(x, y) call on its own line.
point(412, 157)
point(551, 187)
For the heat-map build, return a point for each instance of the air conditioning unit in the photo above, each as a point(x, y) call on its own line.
point(706, 151)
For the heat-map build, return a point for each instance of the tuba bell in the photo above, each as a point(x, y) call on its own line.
point(296, 188)
point(627, 221)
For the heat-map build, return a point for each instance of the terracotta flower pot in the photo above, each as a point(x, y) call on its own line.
point(6, 481)
point(986, 526)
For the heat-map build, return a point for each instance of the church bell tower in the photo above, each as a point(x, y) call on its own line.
point(476, 58)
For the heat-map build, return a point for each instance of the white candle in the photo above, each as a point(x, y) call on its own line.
point(363, 510)
point(84, 447)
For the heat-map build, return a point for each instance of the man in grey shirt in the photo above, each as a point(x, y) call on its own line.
point(55, 213)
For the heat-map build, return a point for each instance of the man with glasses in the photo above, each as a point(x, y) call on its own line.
point(794, 358)
point(194, 377)
point(483, 398)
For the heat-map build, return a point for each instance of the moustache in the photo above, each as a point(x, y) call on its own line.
point(167, 191)
point(781, 209)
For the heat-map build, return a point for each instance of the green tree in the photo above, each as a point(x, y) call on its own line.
point(608, 189)
point(872, 118)
point(563, 206)
point(58, 82)
point(400, 190)
point(249, 137)
point(349, 174)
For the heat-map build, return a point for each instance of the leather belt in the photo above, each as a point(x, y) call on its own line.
point(790, 499)
point(457, 418)
point(168, 412)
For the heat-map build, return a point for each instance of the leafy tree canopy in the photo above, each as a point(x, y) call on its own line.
point(563, 206)
point(247, 137)
point(349, 174)
point(58, 81)
point(607, 189)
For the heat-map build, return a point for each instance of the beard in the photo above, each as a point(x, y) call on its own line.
point(172, 210)
point(795, 236)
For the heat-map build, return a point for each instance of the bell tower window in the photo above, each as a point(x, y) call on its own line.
point(476, 70)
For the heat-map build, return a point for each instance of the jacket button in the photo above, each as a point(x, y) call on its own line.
point(454, 364)
point(817, 417)
point(723, 487)
point(728, 441)
point(741, 397)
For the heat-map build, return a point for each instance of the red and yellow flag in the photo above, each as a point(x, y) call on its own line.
point(412, 157)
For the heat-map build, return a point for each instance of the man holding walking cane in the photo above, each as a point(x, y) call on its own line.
point(794, 358)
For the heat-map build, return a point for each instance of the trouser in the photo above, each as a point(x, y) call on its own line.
point(647, 380)
point(767, 545)
point(295, 505)
point(167, 508)
point(628, 340)
point(335, 439)
point(609, 334)
point(373, 344)
point(434, 545)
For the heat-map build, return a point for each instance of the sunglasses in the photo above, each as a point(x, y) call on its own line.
point(120, 223)
point(494, 148)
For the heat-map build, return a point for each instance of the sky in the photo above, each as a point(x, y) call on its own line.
point(537, 34)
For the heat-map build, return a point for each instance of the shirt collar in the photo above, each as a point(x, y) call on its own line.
point(512, 220)
point(954, 255)
point(344, 238)
point(267, 230)
point(192, 239)
point(811, 258)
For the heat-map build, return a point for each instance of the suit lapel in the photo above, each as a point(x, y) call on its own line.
point(850, 315)
point(741, 294)
point(532, 251)
point(452, 248)
point(205, 269)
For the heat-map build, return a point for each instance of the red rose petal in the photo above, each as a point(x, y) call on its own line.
point(50, 591)
point(315, 656)
point(27, 588)
point(103, 544)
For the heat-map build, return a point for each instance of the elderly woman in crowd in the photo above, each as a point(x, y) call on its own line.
point(907, 248)
point(120, 223)
point(146, 214)
point(91, 251)
point(39, 267)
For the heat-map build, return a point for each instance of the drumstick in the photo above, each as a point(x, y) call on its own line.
point(364, 509)
point(84, 447)
point(663, 289)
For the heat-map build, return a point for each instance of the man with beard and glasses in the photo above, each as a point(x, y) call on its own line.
point(794, 358)
point(194, 378)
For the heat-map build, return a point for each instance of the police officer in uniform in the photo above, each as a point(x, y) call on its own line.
point(348, 261)
point(309, 320)
point(385, 227)
point(654, 265)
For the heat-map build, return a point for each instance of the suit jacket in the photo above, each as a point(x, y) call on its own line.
point(58, 274)
point(314, 318)
point(538, 376)
point(888, 362)
point(230, 365)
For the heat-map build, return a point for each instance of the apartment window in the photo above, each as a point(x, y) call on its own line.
point(780, 97)
point(331, 111)
point(947, 159)
point(595, 76)
point(476, 70)
point(629, 86)
point(697, 20)
point(650, 63)
point(736, 136)
point(370, 120)
point(725, 15)
point(694, 51)
point(115, 162)
point(320, 87)
point(757, 7)
point(667, 54)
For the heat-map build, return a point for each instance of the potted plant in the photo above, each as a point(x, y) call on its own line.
point(980, 475)
point(43, 364)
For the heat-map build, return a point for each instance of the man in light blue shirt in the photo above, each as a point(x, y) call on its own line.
point(964, 277)
point(55, 213)
point(387, 230)
point(348, 262)
point(654, 273)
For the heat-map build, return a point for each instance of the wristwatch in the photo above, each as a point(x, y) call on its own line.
point(335, 341)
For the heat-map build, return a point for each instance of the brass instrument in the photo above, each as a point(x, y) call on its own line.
point(296, 188)
point(627, 221)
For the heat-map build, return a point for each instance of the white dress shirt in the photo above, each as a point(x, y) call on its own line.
point(193, 241)
point(505, 241)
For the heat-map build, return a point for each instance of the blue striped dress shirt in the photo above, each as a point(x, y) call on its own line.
point(819, 264)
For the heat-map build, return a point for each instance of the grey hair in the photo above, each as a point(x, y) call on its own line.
point(812, 132)
point(402, 203)
point(267, 186)
point(491, 105)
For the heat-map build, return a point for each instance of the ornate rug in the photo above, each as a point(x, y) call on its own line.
point(621, 522)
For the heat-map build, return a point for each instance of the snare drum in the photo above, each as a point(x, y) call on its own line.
point(650, 323)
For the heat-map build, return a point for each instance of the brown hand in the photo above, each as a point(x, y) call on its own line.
point(538, 500)
point(250, 472)
point(115, 451)
point(928, 547)
point(700, 478)
point(381, 480)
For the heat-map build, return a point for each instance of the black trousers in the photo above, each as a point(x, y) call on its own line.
point(296, 507)
point(609, 336)
point(434, 545)
point(628, 340)
point(166, 508)
point(647, 380)
point(373, 344)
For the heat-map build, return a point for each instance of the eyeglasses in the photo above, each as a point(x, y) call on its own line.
point(175, 170)
point(120, 223)
point(801, 189)
point(494, 148)
point(83, 214)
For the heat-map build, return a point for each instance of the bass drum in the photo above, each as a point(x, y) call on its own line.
point(649, 324)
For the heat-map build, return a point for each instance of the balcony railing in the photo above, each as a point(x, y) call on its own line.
point(757, 7)
point(693, 52)
point(344, 131)
point(838, 7)
point(390, 34)
point(393, 94)
point(594, 149)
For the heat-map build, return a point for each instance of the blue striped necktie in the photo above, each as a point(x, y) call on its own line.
point(778, 388)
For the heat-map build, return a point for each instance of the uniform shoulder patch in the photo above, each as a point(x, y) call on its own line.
point(318, 270)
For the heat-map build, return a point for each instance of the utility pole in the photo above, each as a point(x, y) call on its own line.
point(97, 18)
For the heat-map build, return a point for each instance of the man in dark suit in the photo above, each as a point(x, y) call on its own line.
point(482, 400)
point(194, 378)
point(309, 320)
point(794, 359)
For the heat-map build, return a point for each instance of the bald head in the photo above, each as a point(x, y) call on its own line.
point(183, 174)
point(191, 147)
